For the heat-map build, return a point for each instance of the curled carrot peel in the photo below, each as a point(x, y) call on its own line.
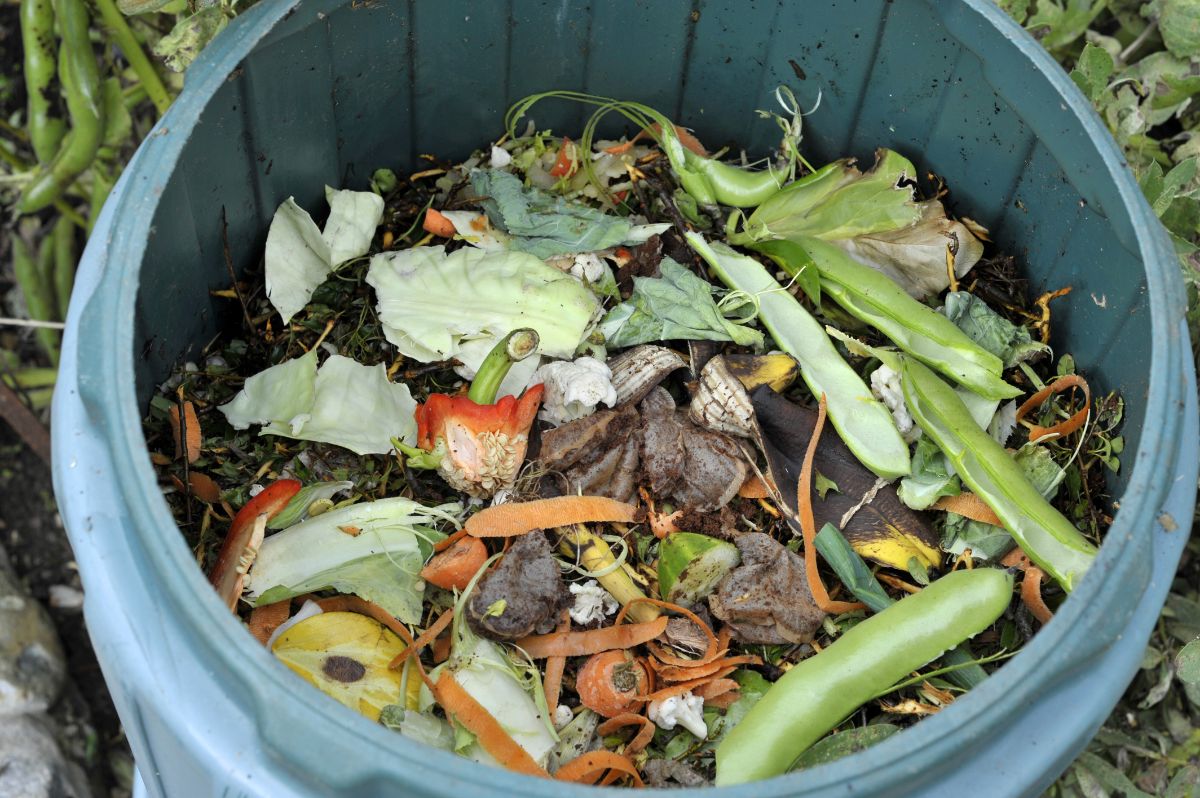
point(970, 506)
point(517, 518)
point(715, 688)
point(1077, 420)
point(724, 700)
point(438, 224)
point(673, 673)
point(640, 740)
point(472, 715)
point(588, 768)
point(808, 526)
point(710, 653)
point(592, 641)
point(754, 488)
point(692, 685)
point(552, 680)
point(1031, 584)
point(684, 135)
point(427, 637)
point(266, 619)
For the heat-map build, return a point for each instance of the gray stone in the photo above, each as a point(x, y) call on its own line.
point(32, 667)
point(31, 764)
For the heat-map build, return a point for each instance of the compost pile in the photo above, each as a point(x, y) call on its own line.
point(624, 462)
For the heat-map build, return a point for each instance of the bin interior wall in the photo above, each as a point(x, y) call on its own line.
point(327, 101)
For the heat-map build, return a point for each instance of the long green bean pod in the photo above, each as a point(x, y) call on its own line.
point(863, 423)
point(81, 84)
point(63, 239)
point(32, 278)
point(821, 691)
point(1044, 533)
point(38, 41)
point(874, 298)
point(114, 20)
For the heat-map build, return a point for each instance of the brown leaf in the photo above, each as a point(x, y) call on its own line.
point(909, 707)
point(190, 429)
point(204, 488)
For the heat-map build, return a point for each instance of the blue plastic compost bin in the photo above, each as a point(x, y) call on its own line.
point(295, 95)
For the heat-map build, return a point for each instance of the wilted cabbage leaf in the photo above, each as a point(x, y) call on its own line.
point(1010, 342)
point(678, 305)
point(343, 403)
point(299, 255)
point(432, 303)
point(346, 656)
point(544, 225)
point(932, 477)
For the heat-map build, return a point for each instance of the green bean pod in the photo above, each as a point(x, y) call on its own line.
point(876, 299)
point(81, 84)
point(719, 182)
point(38, 41)
point(820, 692)
point(32, 278)
point(1044, 533)
point(861, 421)
point(63, 238)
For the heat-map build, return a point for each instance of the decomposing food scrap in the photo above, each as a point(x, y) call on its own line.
point(526, 459)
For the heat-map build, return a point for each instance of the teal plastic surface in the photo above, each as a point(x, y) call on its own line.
point(294, 95)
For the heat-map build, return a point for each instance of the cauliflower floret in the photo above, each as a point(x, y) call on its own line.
point(587, 266)
point(592, 603)
point(885, 385)
point(500, 158)
point(685, 710)
point(562, 716)
point(574, 389)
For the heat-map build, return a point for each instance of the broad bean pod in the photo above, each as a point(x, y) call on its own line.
point(1044, 533)
point(33, 278)
point(38, 41)
point(81, 84)
point(820, 692)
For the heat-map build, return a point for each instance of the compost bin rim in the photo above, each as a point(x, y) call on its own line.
point(247, 664)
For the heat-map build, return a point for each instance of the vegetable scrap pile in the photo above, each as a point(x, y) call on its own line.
point(621, 462)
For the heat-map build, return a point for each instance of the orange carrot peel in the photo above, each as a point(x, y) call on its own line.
point(808, 526)
point(587, 769)
point(552, 680)
point(473, 716)
point(427, 637)
point(640, 740)
point(970, 506)
point(1075, 421)
point(592, 641)
point(1031, 584)
point(684, 135)
point(516, 518)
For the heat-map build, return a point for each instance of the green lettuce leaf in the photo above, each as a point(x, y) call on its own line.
point(678, 305)
point(343, 403)
point(931, 478)
point(544, 225)
point(1009, 342)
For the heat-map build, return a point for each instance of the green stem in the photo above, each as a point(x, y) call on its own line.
point(124, 38)
point(72, 215)
point(15, 161)
point(514, 347)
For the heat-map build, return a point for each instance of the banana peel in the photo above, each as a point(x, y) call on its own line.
point(776, 371)
point(882, 528)
point(593, 554)
point(346, 656)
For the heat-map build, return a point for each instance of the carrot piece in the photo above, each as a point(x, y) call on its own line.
point(438, 223)
point(673, 673)
point(662, 524)
point(187, 432)
point(593, 641)
point(491, 735)
point(717, 687)
point(204, 488)
point(566, 164)
point(586, 769)
point(970, 506)
point(1077, 420)
point(640, 740)
point(516, 518)
point(427, 637)
point(453, 568)
point(685, 136)
point(266, 619)
point(1031, 584)
point(679, 688)
point(441, 649)
point(808, 525)
point(710, 653)
point(610, 683)
point(447, 542)
point(552, 680)
point(754, 488)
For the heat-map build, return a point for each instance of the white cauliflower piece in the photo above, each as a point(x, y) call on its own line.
point(500, 157)
point(592, 603)
point(885, 385)
point(586, 266)
point(574, 389)
point(685, 710)
point(562, 716)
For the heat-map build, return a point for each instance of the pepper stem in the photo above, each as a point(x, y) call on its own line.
point(514, 347)
point(415, 458)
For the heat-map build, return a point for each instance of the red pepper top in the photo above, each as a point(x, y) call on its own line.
point(509, 415)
